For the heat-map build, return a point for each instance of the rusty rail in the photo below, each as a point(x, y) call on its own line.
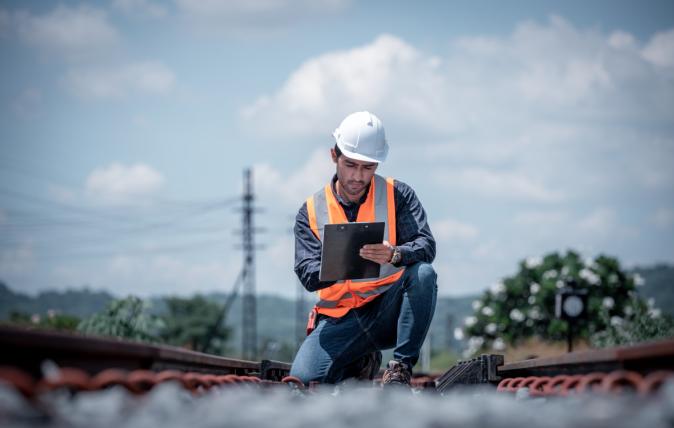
point(88, 363)
point(643, 358)
point(27, 349)
point(641, 368)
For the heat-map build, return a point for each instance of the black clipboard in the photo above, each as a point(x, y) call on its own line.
point(340, 256)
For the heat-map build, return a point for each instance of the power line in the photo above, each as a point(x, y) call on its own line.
point(223, 313)
point(98, 214)
point(192, 246)
point(87, 220)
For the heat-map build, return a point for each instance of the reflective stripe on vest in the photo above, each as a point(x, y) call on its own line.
point(323, 208)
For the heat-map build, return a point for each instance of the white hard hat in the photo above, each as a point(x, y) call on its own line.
point(361, 136)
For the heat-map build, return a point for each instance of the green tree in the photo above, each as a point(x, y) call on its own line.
point(53, 320)
point(523, 305)
point(127, 318)
point(22, 318)
point(59, 321)
point(191, 322)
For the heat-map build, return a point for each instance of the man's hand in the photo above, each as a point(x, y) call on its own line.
point(378, 253)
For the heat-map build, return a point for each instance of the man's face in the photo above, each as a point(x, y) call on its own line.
point(353, 175)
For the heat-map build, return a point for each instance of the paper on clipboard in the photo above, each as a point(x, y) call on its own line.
point(340, 256)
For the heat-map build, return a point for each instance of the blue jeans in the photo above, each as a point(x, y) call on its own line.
point(399, 319)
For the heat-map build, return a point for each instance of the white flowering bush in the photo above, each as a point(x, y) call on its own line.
point(523, 305)
point(641, 321)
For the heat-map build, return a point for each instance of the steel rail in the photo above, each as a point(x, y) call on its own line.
point(648, 361)
point(643, 358)
point(28, 349)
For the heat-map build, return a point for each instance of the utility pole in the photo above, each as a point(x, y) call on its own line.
point(449, 331)
point(249, 306)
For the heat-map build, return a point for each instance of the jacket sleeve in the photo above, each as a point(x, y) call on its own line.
point(414, 237)
point(307, 253)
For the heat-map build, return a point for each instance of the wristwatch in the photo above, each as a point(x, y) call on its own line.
point(395, 258)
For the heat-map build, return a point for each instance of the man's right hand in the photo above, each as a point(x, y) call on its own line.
point(378, 253)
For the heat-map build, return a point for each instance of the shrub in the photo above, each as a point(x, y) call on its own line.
point(523, 305)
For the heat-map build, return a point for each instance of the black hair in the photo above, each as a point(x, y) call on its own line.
point(337, 151)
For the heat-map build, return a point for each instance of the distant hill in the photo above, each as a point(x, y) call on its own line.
point(277, 319)
point(277, 315)
point(80, 303)
point(659, 286)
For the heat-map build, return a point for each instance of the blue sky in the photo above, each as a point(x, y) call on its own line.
point(524, 128)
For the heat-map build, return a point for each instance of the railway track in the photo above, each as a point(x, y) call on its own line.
point(37, 360)
point(34, 361)
point(641, 368)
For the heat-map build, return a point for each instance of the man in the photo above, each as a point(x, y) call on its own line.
point(357, 319)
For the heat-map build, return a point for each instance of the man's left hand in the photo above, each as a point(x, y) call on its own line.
point(378, 253)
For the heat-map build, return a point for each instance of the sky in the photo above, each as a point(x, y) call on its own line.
point(524, 127)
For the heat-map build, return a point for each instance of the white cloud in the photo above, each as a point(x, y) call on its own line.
point(538, 70)
point(535, 104)
point(69, 31)
point(663, 218)
point(291, 190)
point(255, 16)
point(388, 72)
point(128, 79)
point(660, 49)
point(449, 229)
point(501, 184)
point(622, 40)
point(117, 183)
point(141, 8)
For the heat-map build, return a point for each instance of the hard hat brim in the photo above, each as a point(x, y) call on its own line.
point(360, 157)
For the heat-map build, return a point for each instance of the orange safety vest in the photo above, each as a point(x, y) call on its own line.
point(323, 208)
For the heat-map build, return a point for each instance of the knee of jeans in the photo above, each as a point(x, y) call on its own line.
point(304, 375)
point(421, 280)
point(424, 273)
point(307, 374)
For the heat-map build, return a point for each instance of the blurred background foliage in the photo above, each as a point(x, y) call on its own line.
point(186, 322)
point(515, 317)
point(193, 323)
point(523, 306)
point(52, 320)
point(127, 318)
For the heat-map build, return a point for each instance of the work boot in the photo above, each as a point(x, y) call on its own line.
point(397, 373)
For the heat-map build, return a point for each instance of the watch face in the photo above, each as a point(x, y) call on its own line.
point(395, 258)
point(573, 306)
